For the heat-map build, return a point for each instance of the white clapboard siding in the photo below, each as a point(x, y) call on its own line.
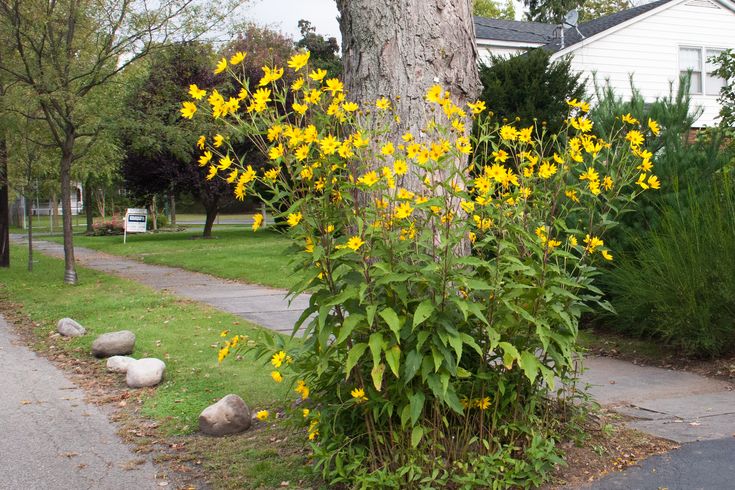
point(648, 49)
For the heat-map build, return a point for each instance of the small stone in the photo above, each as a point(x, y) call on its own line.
point(119, 364)
point(230, 415)
point(145, 372)
point(70, 328)
point(114, 344)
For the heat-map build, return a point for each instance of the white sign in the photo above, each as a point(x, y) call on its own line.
point(135, 221)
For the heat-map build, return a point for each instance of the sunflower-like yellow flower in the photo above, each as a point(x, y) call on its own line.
point(196, 93)
point(354, 243)
point(237, 58)
point(262, 415)
point(257, 221)
point(299, 60)
point(383, 104)
point(359, 395)
point(188, 109)
point(318, 75)
point(205, 158)
point(277, 377)
point(654, 127)
point(334, 86)
point(278, 358)
point(476, 107)
point(403, 210)
point(293, 220)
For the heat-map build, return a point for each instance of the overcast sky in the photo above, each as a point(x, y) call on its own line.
point(284, 15)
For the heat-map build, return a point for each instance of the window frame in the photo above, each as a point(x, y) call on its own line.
point(703, 73)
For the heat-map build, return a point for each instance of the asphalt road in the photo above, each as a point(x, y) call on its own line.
point(50, 438)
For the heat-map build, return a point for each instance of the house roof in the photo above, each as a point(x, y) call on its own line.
point(543, 34)
point(513, 30)
point(590, 28)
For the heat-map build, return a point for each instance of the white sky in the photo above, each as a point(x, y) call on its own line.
point(284, 15)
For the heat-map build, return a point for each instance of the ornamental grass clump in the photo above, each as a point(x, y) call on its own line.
point(447, 271)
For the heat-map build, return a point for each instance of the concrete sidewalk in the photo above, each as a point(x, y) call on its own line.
point(50, 437)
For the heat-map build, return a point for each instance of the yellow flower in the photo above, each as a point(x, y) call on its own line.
point(296, 86)
point(350, 107)
point(546, 170)
point(334, 86)
point(435, 94)
point(525, 134)
point(278, 358)
point(403, 210)
point(223, 353)
point(607, 183)
point(301, 153)
point(305, 412)
point(627, 118)
point(458, 125)
point(642, 182)
point(276, 152)
point(300, 108)
point(508, 133)
point(232, 177)
point(293, 220)
point(590, 174)
point(467, 206)
point(607, 255)
point(218, 140)
point(592, 243)
point(359, 395)
point(400, 167)
point(369, 179)
point(581, 105)
point(257, 221)
point(262, 415)
point(225, 162)
point(212, 172)
point(188, 109)
point(635, 137)
point(359, 141)
point(477, 107)
point(318, 75)
point(382, 104)
point(221, 66)
point(572, 194)
point(500, 155)
point(388, 149)
point(582, 123)
point(299, 60)
point(200, 142)
point(302, 389)
point(654, 127)
point(354, 243)
point(329, 144)
point(276, 376)
point(196, 93)
point(483, 403)
point(205, 158)
point(654, 182)
point(237, 58)
point(573, 241)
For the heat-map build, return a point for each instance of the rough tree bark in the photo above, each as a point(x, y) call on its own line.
point(4, 205)
point(70, 272)
point(211, 210)
point(400, 49)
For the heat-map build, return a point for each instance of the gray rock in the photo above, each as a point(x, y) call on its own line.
point(70, 328)
point(145, 372)
point(114, 344)
point(119, 364)
point(230, 415)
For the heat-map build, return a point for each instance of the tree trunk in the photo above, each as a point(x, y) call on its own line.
point(70, 273)
point(399, 50)
point(88, 199)
point(212, 211)
point(29, 212)
point(4, 205)
point(172, 208)
point(154, 214)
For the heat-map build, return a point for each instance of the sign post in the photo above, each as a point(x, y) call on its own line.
point(136, 220)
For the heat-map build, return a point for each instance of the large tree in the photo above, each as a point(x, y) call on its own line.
point(64, 51)
point(400, 49)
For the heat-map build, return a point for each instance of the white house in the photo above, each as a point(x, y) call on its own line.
point(654, 43)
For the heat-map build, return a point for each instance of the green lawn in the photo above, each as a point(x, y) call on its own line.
point(183, 334)
point(232, 253)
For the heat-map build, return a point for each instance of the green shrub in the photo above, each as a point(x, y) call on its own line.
point(679, 284)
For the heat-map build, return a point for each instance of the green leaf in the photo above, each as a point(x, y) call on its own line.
point(394, 323)
point(530, 365)
point(348, 326)
point(377, 375)
point(424, 311)
point(412, 365)
point(510, 354)
point(416, 434)
point(393, 358)
point(376, 346)
point(417, 406)
point(353, 356)
point(370, 310)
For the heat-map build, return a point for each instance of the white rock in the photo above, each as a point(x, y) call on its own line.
point(114, 344)
point(230, 415)
point(119, 364)
point(70, 328)
point(145, 372)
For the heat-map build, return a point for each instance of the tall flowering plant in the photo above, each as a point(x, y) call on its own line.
point(448, 268)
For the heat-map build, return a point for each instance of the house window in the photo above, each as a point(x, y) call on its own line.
point(695, 61)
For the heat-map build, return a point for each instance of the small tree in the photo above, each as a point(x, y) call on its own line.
point(530, 86)
point(726, 70)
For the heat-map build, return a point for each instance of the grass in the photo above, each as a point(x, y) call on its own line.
point(185, 335)
point(233, 253)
